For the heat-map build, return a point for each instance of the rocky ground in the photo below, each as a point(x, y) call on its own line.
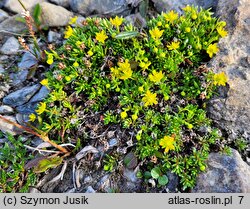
point(20, 90)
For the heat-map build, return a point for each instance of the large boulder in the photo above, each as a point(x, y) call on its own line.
point(63, 3)
point(12, 25)
point(101, 7)
point(3, 15)
point(14, 5)
point(231, 109)
point(224, 174)
point(54, 16)
point(166, 5)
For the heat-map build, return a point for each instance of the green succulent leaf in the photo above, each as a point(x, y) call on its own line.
point(155, 172)
point(47, 163)
point(163, 180)
point(127, 35)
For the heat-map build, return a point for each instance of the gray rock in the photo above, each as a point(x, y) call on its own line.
point(19, 77)
point(2, 70)
point(22, 118)
point(53, 36)
point(41, 95)
point(9, 128)
point(11, 25)
point(63, 3)
point(28, 60)
point(224, 174)
point(102, 7)
point(90, 190)
point(173, 182)
point(14, 5)
point(5, 109)
point(87, 179)
point(31, 106)
point(3, 15)
point(21, 96)
point(3, 57)
point(3, 140)
point(167, 5)
point(231, 109)
point(54, 16)
point(11, 46)
point(113, 142)
point(27, 108)
point(4, 88)
point(137, 20)
point(130, 175)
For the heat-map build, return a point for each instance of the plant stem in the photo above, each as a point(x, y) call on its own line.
point(43, 137)
point(22, 5)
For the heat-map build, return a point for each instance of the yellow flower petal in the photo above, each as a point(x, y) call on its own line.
point(212, 49)
point(150, 99)
point(220, 79)
point(124, 114)
point(41, 108)
point(156, 33)
point(174, 45)
point(156, 76)
point(101, 36)
point(117, 21)
point(167, 142)
point(68, 32)
point(32, 117)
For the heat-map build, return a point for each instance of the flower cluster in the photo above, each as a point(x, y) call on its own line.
point(123, 72)
point(148, 82)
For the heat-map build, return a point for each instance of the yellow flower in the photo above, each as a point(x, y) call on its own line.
point(174, 45)
point(171, 16)
point(187, 8)
point(41, 108)
point(222, 23)
point(187, 29)
point(125, 69)
point(134, 117)
point(90, 53)
point(124, 114)
point(167, 142)
point(156, 33)
point(45, 82)
point(162, 54)
point(117, 21)
point(221, 31)
point(101, 37)
point(73, 20)
point(144, 65)
point(149, 99)
point(212, 49)
point(141, 89)
point(75, 64)
point(79, 43)
point(68, 32)
point(194, 16)
point(220, 79)
point(50, 59)
point(159, 23)
point(156, 76)
point(32, 117)
point(115, 72)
